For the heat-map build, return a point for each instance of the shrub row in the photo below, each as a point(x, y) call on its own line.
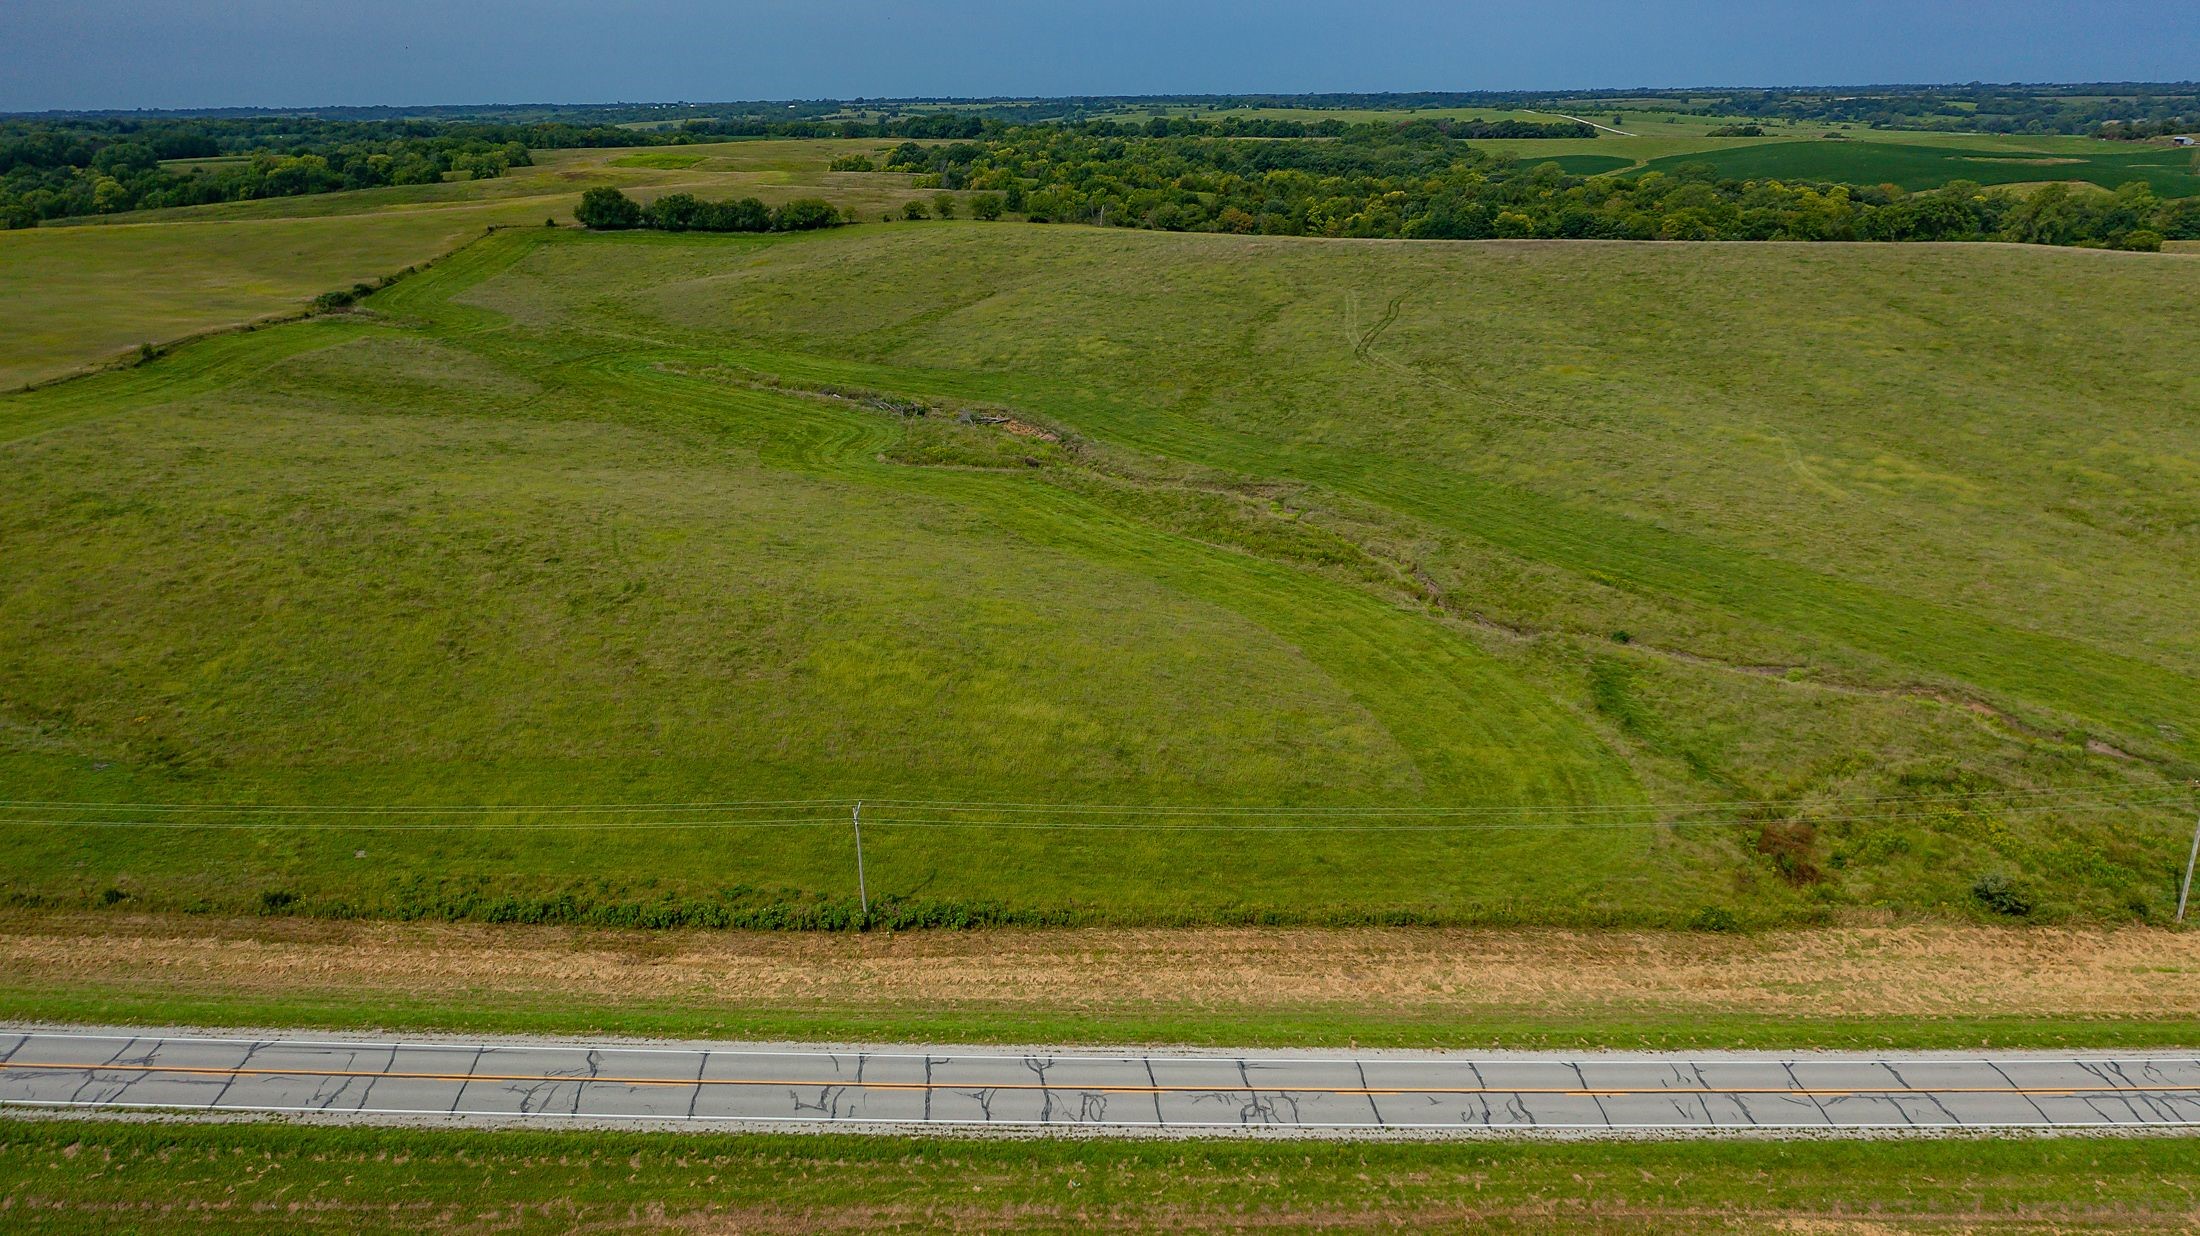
point(605, 209)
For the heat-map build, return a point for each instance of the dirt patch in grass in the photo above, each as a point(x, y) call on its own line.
point(1936, 970)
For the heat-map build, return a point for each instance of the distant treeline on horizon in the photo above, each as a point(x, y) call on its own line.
point(66, 169)
point(2066, 107)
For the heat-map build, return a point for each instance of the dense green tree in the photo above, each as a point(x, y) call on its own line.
point(604, 208)
point(2180, 219)
point(741, 215)
point(805, 214)
point(674, 212)
point(1417, 181)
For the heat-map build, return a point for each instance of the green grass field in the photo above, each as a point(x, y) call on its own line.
point(78, 292)
point(1521, 528)
point(2169, 171)
point(92, 289)
point(75, 1176)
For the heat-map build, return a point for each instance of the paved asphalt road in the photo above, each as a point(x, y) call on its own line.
point(710, 1085)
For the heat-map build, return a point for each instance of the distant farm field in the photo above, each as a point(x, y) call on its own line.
point(1913, 161)
point(1587, 164)
point(2167, 170)
point(671, 159)
point(1374, 582)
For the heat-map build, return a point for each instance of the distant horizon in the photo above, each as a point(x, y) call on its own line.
point(202, 55)
point(1586, 92)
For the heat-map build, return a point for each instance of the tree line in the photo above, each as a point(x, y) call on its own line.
point(59, 168)
point(2142, 130)
point(53, 172)
point(1414, 181)
point(1976, 108)
point(605, 209)
point(1231, 172)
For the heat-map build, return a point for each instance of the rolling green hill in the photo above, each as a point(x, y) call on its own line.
point(1771, 578)
point(83, 291)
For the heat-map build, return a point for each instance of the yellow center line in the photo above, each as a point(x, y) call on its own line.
point(1102, 1088)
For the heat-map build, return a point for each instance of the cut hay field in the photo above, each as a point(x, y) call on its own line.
point(1767, 580)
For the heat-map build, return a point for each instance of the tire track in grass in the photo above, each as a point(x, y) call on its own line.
point(202, 366)
point(1473, 730)
point(2129, 696)
point(1445, 700)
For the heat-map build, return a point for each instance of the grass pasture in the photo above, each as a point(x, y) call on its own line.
point(72, 296)
point(88, 290)
point(669, 160)
point(1528, 529)
point(92, 289)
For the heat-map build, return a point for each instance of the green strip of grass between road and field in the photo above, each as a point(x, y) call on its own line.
point(74, 1176)
point(1388, 1024)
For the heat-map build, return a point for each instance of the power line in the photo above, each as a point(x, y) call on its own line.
point(954, 805)
point(417, 825)
point(1578, 825)
point(421, 808)
point(1148, 824)
point(1522, 809)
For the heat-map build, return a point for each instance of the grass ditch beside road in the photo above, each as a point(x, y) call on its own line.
point(64, 1177)
point(1915, 986)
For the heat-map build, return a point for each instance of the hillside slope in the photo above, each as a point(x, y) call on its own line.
point(1639, 578)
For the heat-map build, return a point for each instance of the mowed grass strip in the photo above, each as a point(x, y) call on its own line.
point(78, 1176)
point(1909, 987)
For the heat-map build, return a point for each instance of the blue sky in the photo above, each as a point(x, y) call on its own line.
point(210, 53)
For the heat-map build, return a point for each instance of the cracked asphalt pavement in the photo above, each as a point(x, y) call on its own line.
point(700, 1085)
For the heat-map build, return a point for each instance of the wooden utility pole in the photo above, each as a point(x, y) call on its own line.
point(863, 895)
point(2184, 891)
